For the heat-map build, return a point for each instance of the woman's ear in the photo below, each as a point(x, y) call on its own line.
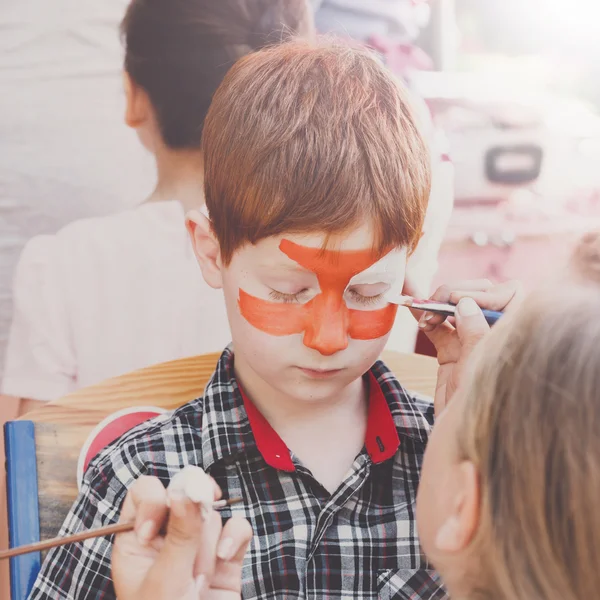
point(206, 248)
point(137, 103)
point(459, 528)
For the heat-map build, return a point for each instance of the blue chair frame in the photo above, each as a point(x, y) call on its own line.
point(22, 504)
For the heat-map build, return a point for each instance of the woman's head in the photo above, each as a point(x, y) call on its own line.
point(511, 480)
point(178, 51)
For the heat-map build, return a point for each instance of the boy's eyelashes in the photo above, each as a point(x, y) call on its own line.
point(355, 296)
point(304, 296)
point(289, 298)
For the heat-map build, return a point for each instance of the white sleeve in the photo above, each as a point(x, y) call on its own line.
point(423, 264)
point(40, 361)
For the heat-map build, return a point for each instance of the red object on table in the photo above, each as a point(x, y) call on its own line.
point(110, 429)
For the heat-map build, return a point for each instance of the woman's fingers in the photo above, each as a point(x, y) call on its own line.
point(231, 550)
point(443, 337)
point(190, 542)
point(471, 326)
point(503, 296)
point(146, 503)
point(193, 484)
point(443, 293)
point(500, 297)
point(429, 321)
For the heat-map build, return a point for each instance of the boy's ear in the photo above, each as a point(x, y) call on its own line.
point(459, 528)
point(206, 248)
point(137, 107)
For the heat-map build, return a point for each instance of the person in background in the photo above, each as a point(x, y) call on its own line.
point(109, 295)
point(391, 27)
point(64, 153)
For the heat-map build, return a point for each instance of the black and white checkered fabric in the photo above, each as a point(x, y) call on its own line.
point(359, 543)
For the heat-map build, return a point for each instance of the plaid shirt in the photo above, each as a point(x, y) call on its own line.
point(358, 543)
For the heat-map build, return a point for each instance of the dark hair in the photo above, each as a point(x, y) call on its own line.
point(179, 51)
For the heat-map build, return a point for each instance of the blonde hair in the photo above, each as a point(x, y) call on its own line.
point(532, 427)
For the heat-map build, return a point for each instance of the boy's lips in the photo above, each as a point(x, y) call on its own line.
point(320, 373)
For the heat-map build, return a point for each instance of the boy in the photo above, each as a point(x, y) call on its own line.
point(316, 182)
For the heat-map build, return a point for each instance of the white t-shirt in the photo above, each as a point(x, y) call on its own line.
point(65, 152)
point(106, 296)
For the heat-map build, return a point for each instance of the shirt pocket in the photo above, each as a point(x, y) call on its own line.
point(410, 584)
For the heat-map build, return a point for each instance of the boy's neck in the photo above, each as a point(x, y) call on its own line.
point(333, 427)
point(180, 177)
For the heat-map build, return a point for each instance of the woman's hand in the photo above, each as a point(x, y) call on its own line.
point(455, 341)
point(197, 558)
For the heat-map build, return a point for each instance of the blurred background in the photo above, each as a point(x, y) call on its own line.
point(515, 88)
point(509, 90)
point(512, 89)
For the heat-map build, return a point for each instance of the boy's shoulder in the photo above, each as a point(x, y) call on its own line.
point(159, 447)
point(197, 433)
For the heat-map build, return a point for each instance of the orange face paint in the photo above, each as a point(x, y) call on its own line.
point(326, 321)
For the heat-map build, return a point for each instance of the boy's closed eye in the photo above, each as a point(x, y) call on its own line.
point(362, 294)
point(367, 294)
point(301, 297)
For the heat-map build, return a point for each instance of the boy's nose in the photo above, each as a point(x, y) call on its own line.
point(327, 331)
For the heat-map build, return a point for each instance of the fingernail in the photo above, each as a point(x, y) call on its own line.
point(467, 307)
point(422, 324)
point(225, 549)
point(200, 585)
point(145, 532)
point(428, 317)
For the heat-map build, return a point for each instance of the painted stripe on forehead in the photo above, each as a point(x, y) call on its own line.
point(332, 264)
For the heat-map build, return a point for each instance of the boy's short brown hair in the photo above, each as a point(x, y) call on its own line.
point(313, 137)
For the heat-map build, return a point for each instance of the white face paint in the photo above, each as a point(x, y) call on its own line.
point(382, 279)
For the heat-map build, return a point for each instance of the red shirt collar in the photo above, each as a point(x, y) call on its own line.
point(381, 439)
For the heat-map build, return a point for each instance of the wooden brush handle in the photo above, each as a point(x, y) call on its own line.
point(91, 533)
point(69, 539)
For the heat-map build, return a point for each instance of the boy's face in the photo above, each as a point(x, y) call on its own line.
point(310, 321)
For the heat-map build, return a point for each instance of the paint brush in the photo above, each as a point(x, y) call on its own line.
point(92, 533)
point(440, 308)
